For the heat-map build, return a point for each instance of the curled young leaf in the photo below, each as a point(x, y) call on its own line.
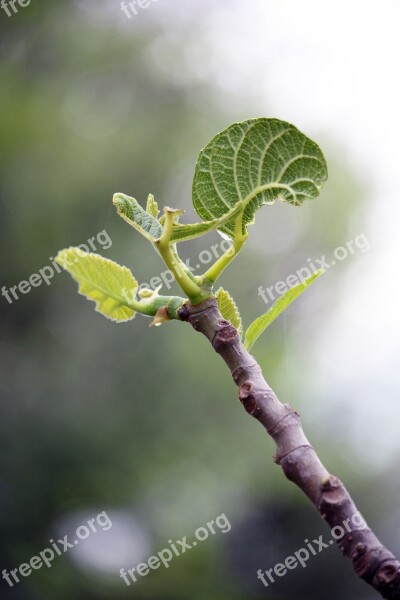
point(130, 210)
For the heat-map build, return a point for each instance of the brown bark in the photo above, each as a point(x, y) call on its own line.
point(299, 461)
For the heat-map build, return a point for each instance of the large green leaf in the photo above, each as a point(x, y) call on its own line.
point(101, 280)
point(254, 163)
point(228, 309)
point(260, 324)
point(130, 210)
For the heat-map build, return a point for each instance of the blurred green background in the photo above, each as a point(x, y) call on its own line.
point(144, 423)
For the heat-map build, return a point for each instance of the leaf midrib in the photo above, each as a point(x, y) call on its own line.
point(101, 289)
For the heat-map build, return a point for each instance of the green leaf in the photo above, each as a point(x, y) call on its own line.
point(130, 210)
point(260, 324)
point(152, 207)
point(253, 163)
point(105, 282)
point(228, 309)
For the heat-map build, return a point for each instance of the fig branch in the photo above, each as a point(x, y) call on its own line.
point(246, 166)
point(371, 560)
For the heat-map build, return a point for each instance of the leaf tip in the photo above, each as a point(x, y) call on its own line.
point(62, 258)
point(118, 200)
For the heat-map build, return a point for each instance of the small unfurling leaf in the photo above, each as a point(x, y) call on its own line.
point(228, 309)
point(260, 324)
point(152, 207)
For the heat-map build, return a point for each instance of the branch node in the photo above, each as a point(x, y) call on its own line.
point(333, 494)
point(183, 313)
point(388, 575)
point(225, 336)
point(280, 424)
point(244, 372)
point(247, 398)
point(276, 458)
point(288, 456)
point(359, 550)
point(238, 374)
point(330, 483)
